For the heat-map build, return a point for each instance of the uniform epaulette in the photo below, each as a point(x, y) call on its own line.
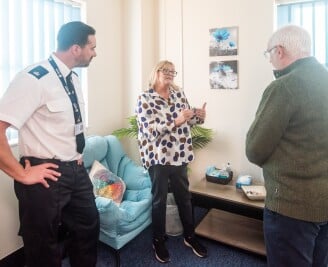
point(38, 72)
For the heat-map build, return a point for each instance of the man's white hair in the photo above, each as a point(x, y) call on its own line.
point(294, 39)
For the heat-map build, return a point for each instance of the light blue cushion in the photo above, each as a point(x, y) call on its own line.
point(135, 176)
point(137, 195)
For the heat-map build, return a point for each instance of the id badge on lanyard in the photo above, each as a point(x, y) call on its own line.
point(78, 128)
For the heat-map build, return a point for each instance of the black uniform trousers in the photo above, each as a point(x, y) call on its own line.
point(160, 176)
point(67, 203)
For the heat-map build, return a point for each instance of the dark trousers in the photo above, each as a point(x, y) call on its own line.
point(295, 243)
point(177, 176)
point(67, 203)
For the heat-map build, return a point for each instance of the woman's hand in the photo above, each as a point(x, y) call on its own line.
point(185, 115)
point(201, 112)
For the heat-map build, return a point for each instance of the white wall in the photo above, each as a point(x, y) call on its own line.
point(229, 112)
point(105, 72)
point(9, 241)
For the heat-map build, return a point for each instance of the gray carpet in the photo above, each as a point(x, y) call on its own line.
point(139, 252)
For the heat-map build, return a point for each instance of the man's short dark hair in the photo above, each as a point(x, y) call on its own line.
point(75, 32)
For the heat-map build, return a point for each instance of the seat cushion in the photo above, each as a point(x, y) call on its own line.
point(137, 195)
point(120, 219)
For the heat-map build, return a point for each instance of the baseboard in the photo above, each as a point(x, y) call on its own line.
point(15, 259)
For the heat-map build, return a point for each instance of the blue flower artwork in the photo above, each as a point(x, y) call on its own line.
point(224, 74)
point(223, 41)
point(221, 34)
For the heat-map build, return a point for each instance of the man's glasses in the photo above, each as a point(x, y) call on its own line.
point(168, 72)
point(268, 52)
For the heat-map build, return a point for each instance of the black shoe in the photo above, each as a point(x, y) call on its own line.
point(161, 253)
point(196, 247)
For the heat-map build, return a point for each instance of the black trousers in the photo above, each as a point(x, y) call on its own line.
point(161, 175)
point(67, 203)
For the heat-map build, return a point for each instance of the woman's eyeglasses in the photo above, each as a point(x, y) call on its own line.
point(168, 72)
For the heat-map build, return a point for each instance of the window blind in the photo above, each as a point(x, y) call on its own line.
point(28, 29)
point(313, 16)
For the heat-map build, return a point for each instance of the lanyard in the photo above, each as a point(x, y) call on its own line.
point(72, 95)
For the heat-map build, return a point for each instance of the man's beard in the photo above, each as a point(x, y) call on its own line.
point(84, 64)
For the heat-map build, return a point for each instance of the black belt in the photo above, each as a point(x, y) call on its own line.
point(37, 161)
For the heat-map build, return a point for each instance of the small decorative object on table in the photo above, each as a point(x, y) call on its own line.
point(243, 180)
point(218, 176)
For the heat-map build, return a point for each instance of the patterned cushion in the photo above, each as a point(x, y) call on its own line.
point(106, 184)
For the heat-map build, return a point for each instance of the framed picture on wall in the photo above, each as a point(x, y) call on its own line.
point(224, 74)
point(223, 41)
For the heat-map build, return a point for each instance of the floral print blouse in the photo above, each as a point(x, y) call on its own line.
point(159, 140)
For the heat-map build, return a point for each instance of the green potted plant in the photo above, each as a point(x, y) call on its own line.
point(200, 136)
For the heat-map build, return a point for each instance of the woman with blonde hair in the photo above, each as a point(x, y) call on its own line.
point(164, 119)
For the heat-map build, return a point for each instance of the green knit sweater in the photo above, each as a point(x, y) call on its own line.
point(289, 140)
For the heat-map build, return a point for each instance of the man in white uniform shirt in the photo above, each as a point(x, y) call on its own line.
point(45, 103)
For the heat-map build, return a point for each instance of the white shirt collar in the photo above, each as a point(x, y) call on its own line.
point(61, 65)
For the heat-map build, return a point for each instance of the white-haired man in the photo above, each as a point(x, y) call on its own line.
point(289, 140)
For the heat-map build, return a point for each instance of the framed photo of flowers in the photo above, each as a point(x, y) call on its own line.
point(224, 74)
point(223, 41)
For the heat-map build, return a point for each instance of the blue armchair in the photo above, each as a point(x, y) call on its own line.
point(120, 224)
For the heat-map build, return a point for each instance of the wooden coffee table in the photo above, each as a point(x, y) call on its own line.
point(232, 219)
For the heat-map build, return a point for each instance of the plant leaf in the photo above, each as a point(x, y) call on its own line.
point(131, 131)
point(200, 136)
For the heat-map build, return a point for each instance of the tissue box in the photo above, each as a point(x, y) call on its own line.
point(243, 180)
point(215, 175)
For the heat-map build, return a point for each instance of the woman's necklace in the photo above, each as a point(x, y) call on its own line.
point(165, 94)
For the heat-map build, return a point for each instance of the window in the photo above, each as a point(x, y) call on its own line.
point(313, 16)
point(28, 29)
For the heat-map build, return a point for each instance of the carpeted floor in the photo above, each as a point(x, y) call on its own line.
point(139, 252)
